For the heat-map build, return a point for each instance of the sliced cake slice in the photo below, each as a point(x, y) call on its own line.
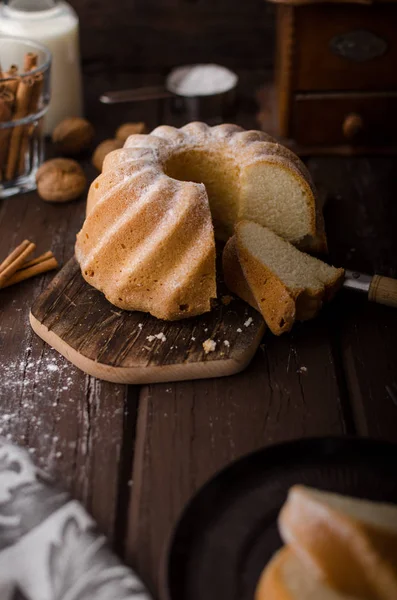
point(350, 543)
point(276, 278)
point(286, 578)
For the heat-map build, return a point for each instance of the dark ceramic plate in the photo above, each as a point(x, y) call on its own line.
point(228, 532)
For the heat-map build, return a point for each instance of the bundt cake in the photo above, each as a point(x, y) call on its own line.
point(148, 239)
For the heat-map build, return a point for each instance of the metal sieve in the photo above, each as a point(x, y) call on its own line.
point(201, 107)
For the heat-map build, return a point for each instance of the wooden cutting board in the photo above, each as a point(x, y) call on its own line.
point(121, 346)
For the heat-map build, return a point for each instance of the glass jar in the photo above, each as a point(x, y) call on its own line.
point(56, 25)
point(24, 100)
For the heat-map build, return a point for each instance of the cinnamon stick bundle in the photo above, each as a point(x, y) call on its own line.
point(15, 268)
point(39, 266)
point(23, 98)
point(15, 261)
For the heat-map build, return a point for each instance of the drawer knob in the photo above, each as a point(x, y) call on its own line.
point(352, 126)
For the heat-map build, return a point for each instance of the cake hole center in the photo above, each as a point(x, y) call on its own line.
point(219, 174)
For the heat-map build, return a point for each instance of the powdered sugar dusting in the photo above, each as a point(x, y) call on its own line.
point(47, 405)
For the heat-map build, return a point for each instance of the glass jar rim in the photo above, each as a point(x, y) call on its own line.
point(24, 120)
point(44, 66)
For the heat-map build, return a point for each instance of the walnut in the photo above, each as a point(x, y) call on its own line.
point(103, 150)
point(72, 136)
point(124, 131)
point(60, 180)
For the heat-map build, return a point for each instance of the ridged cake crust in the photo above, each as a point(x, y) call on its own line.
point(148, 239)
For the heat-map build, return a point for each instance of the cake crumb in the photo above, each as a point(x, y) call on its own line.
point(209, 346)
point(193, 338)
point(227, 343)
point(157, 336)
point(248, 322)
point(239, 330)
point(140, 325)
point(302, 370)
point(226, 300)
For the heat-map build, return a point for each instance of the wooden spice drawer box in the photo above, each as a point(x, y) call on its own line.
point(343, 47)
point(336, 119)
point(336, 72)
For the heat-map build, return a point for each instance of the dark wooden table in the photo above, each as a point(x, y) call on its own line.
point(135, 455)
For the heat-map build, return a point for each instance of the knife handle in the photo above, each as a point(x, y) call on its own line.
point(383, 290)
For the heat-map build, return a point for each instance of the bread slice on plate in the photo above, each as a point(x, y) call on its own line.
point(276, 278)
point(285, 578)
point(350, 543)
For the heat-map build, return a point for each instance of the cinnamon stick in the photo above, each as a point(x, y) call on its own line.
point(15, 263)
point(5, 111)
point(6, 102)
point(27, 273)
point(8, 91)
point(6, 99)
point(22, 102)
point(29, 129)
point(14, 254)
point(12, 81)
point(36, 261)
point(5, 115)
point(30, 61)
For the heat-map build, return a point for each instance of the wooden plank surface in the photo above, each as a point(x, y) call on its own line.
point(47, 405)
point(361, 216)
point(189, 430)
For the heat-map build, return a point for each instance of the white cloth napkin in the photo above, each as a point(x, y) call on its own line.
point(50, 548)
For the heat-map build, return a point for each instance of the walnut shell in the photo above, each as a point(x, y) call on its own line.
point(60, 180)
point(127, 129)
point(103, 150)
point(73, 135)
